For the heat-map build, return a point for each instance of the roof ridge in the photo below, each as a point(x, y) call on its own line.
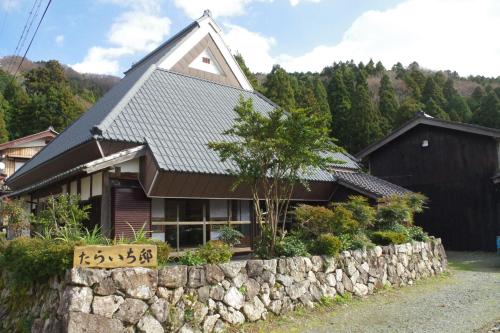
point(162, 45)
point(419, 119)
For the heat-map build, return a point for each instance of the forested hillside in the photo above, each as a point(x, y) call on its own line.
point(44, 94)
point(368, 101)
point(365, 101)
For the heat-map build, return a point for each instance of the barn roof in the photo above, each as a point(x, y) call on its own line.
point(369, 185)
point(424, 119)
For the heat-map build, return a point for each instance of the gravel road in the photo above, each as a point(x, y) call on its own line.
point(466, 299)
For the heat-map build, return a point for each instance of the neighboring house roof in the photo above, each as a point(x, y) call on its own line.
point(49, 133)
point(423, 119)
point(369, 185)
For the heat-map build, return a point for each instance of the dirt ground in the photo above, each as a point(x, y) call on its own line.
point(464, 299)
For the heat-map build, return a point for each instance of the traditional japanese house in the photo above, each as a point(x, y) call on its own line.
point(14, 154)
point(457, 166)
point(140, 154)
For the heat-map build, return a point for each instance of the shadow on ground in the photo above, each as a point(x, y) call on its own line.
point(474, 261)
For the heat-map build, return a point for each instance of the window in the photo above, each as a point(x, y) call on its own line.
point(186, 224)
point(205, 60)
point(18, 164)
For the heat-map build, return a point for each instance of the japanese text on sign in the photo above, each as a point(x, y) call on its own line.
point(127, 255)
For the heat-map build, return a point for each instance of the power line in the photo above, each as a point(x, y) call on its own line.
point(32, 38)
point(24, 33)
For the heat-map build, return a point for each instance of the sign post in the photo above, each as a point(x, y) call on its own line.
point(126, 255)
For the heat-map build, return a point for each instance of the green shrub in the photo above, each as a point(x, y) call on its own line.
point(94, 237)
point(229, 235)
point(314, 219)
point(14, 212)
point(357, 241)
point(35, 259)
point(319, 220)
point(389, 237)
point(291, 246)
point(327, 301)
point(163, 251)
point(418, 234)
point(362, 211)
point(399, 210)
point(191, 258)
point(327, 244)
point(215, 252)
point(62, 218)
point(263, 243)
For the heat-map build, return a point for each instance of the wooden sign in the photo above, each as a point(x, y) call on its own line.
point(127, 255)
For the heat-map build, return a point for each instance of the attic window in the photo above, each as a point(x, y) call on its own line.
point(205, 60)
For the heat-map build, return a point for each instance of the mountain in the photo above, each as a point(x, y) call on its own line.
point(365, 101)
point(96, 84)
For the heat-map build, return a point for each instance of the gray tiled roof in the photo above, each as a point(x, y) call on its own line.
point(366, 183)
point(174, 114)
point(179, 115)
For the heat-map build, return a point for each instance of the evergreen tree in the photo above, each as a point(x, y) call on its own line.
point(434, 109)
point(364, 118)
point(250, 77)
point(4, 107)
point(497, 91)
point(340, 107)
point(52, 102)
point(278, 87)
point(457, 108)
point(321, 96)
point(432, 91)
point(18, 100)
point(399, 70)
point(388, 104)
point(370, 67)
point(475, 98)
point(488, 113)
point(379, 68)
point(407, 110)
point(304, 96)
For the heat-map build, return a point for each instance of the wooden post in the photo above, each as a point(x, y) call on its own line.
point(106, 227)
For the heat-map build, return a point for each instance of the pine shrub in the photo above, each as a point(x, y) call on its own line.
point(389, 237)
point(327, 244)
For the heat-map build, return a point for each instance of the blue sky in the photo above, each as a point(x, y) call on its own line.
point(107, 36)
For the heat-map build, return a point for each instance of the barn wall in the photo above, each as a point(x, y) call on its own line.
point(455, 172)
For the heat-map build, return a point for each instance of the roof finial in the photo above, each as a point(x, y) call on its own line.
point(207, 12)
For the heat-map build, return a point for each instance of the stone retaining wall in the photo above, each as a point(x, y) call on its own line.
point(210, 297)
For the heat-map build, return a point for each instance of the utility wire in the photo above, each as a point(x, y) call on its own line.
point(24, 33)
point(32, 38)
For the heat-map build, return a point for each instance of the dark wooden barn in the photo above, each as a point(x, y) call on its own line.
point(457, 166)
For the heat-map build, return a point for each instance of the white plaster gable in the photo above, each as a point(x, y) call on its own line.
point(207, 26)
point(206, 62)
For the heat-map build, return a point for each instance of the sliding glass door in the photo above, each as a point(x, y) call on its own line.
point(188, 223)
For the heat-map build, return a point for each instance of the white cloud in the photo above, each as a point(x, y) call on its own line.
point(254, 47)
point(59, 39)
point(219, 8)
point(296, 2)
point(446, 34)
point(140, 29)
